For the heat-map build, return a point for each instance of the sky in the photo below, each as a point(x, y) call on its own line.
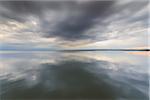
point(74, 24)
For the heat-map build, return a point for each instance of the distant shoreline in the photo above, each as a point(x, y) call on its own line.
point(109, 50)
point(75, 50)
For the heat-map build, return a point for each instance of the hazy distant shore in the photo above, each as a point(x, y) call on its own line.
point(74, 50)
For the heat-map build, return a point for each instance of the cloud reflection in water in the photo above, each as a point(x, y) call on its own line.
point(71, 76)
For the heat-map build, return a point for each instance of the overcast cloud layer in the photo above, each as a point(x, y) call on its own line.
point(74, 24)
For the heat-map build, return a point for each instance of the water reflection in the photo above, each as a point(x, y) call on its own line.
point(80, 75)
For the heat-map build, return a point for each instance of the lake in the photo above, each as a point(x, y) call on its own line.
point(85, 75)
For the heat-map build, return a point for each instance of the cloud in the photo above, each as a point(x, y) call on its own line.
point(71, 23)
point(77, 19)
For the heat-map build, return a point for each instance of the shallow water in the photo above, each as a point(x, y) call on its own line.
point(73, 75)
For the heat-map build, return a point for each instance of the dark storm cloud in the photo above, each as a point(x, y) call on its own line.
point(79, 16)
point(74, 26)
point(70, 20)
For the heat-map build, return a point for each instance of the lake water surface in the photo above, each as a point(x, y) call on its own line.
point(73, 76)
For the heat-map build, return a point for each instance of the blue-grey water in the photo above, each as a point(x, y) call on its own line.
point(73, 76)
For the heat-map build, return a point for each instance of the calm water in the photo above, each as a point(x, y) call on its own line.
point(73, 76)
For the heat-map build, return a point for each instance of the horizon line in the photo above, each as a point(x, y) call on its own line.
point(67, 50)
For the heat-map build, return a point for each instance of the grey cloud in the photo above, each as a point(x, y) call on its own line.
point(71, 20)
point(79, 16)
point(20, 10)
point(78, 19)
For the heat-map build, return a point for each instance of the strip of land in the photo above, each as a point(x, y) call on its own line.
point(75, 50)
point(106, 50)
